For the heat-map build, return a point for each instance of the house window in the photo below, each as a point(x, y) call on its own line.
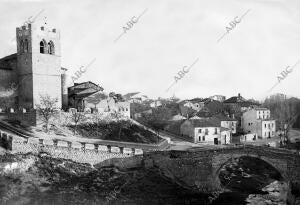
point(203, 138)
point(206, 131)
point(22, 46)
point(216, 130)
point(199, 131)
point(25, 46)
point(200, 138)
point(265, 125)
point(249, 124)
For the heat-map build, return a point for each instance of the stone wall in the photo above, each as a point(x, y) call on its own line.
point(28, 118)
point(77, 155)
point(77, 151)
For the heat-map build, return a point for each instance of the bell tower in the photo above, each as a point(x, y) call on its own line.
point(38, 64)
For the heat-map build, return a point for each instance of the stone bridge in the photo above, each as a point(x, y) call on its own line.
point(199, 168)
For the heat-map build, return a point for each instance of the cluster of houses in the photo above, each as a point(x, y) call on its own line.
point(204, 120)
point(35, 70)
point(90, 97)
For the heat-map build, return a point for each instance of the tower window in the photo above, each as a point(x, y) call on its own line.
point(51, 48)
point(42, 46)
point(21, 46)
point(25, 46)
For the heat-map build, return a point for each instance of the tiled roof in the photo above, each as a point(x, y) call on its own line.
point(204, 114)
point(204, 123)
point(84, 89)
point(196, 100)
point(241, 101)
point(222, 117)
point(86, 85)
point(224, 129)
point(235, 99)
point(261, 108)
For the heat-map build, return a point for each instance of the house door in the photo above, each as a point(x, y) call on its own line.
point(215, 140)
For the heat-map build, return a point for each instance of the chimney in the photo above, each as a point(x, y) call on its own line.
point(239, 95)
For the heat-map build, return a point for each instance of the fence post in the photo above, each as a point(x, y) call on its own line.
point(10, 141)
point(83, 146)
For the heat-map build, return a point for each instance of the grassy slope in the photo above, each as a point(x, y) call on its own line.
point(110, 131)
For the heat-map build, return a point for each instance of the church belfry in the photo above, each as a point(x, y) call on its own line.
point(38, 64)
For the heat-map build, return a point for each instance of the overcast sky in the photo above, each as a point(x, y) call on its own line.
point(169, 35)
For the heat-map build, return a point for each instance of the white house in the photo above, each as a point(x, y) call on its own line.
point(222, 120)
point(136, 97)
point(205, 131)
point(155, 103)
point(110, 105)
point(219, 98)
point(227, 122)
point(177, 117)
point(194, 105)
point(225, 135)
point(258, 121)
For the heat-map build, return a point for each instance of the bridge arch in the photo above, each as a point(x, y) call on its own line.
point(220, 160)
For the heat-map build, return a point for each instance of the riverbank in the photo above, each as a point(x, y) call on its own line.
point(56, 181)
point(50, 180)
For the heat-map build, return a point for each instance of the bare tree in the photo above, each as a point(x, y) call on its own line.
point(7, 102)
point(76, 118)
point(47, 109)
point(98, 119)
